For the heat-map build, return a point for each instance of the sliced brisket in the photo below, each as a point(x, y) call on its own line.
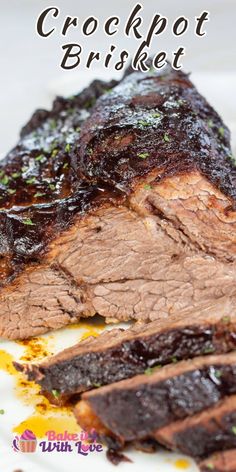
point(119, 354)
point(122, 205)
point(135, 408)
point(220, 462)
point(203, 434)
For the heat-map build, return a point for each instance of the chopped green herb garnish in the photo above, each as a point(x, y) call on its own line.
point(52, 186)
point(11, 191)
point(55, 393)
point(108, 90)
point(147, 187)
point(143, 155)
point(78, 129)
point(24, 169)
point(55, 152)
point(39, 194)
point(67, 148)
point(31, 180)
point(174, 360)
point(149, 371)
point(53, 124)
point(4, 180)
point(2, 412)
point(90, 103)
point(28, 221)
point(156, 115)
point(226, 319)
point(89, 151)
point(97, 385)
point(221, 131)
point(53, 145)
point(218, 374)
point(143, 123)
point(210, 466)
point(234, 429)
point(1, 173)
point(40, 158)
point(16, 175)
point(210, 123)
point(65, 165)
point(166, 138)
point(208, 350)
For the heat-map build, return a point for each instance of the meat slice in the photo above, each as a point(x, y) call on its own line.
point(119, 354)
point(122, 205)
point(220, 462)
point(135, 408)
point(203, 434)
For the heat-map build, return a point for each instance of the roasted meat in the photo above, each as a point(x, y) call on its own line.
point(119, 354)
point(137, 408)
point(122, 205)
point(203, 434)
point(220, 462)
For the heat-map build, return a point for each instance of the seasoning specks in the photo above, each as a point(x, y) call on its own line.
point(28, 221)
point(166, 138)
point(143, 155)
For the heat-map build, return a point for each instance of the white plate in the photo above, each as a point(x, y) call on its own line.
point(19, 402)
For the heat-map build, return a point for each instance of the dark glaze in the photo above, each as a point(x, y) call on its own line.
point(128, 358)
point(161, 114)
point(138, 412)
point(71, 160)
point(200, 441)
point(40, 189)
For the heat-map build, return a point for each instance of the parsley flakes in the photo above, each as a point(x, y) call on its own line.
point(31, 180)
point(28, 221)
point(55, 393)
point(166, 138)
point(221, 131)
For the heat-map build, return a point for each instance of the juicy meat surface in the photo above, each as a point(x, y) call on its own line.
point(119, 354)
point(220, 462)
point(135, 408)
point(122, 205)
point(203, 434)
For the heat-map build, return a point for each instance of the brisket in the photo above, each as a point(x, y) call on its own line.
point(203, 434)
point(120, 201)
point(119, 354)
point(135, 408)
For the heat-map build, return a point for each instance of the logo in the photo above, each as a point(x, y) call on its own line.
point(83, 443)
point(27, 442)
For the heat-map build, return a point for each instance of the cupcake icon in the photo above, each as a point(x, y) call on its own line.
point(27, 441)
